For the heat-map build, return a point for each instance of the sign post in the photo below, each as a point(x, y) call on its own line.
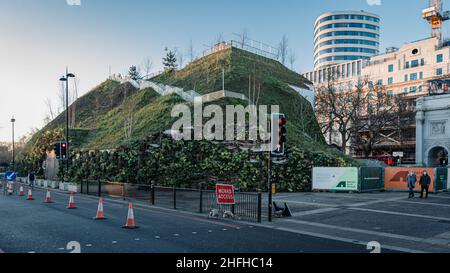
point(225, 194)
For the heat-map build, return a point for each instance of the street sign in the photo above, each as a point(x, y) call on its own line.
point(398, 154)
point(10, 176)
point(225, 194)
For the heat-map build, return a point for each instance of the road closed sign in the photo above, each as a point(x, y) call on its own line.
point(225, 194)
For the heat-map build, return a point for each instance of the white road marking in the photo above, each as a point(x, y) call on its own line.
point(31, 252)
point(426, 204)
point(224, 229)
point(305, 203)
point(403, 214)
point(176, 235)
point(114, 242)
point(137, 239)
point(374, 202)
point(311, 212)
point(209, 231)
point(194, 233)
point(363, 231)
point(88, 245)
point(342, 239)
point(157, 237)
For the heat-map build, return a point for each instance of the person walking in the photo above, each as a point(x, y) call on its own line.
point(411, 180)
point(31, 179)
point(425, 181)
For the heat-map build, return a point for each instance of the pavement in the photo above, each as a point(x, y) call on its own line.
point(35, 227)
point(389, 218)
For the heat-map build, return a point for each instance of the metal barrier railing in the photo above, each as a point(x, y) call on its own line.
point(248, 206)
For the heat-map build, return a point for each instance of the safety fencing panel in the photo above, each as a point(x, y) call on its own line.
point(371, 179)
point(395, 178)
point(441, 179)
point(448, 179)
point(248, 206)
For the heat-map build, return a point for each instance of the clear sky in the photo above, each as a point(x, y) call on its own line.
point(38, 38)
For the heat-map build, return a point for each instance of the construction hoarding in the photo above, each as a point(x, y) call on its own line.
point(395, 178)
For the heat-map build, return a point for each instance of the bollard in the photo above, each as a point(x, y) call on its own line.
point(174, 198)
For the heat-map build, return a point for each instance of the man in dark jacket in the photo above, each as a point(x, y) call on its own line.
point(425, 181)
point(411, 180)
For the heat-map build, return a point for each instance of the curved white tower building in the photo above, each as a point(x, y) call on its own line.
point(345, 36)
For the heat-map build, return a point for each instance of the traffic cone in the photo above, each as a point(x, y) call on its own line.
point(130, 219)
point(71, 201)
point(30, 194)
point(48, 197)
point(21, 191)
point(100, 213)
point(10, 189)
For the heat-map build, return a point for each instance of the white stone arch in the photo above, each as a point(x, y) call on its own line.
point(435, 146)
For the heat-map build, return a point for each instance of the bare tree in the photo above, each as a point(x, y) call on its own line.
point(180, 58)
point(283, 49)
point(219, 38)
point(191, 51)
point(147, 66)
point(377, 118)
point(292, 59)
point(51, 113)
point(244, 37)
point(337, 107)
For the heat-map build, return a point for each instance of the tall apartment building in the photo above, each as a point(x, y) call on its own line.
point(345, 36)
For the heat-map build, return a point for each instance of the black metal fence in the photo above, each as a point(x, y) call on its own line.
point(248, 206)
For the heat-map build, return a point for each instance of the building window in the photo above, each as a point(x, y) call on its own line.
point(415, 63)
point(370, 84)
point(407, 65)
point(391, 68)
point(390, 80)
point(421, 75)
point(380, 82)
point(413, 76)
point(422, 62)
point(413, 89)
point(390, 93)
point(440, 58)
point(439, 71)
point(406, 77)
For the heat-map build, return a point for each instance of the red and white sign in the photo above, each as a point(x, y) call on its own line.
point(225, 194)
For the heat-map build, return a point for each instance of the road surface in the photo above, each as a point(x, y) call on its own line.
point(35, 227)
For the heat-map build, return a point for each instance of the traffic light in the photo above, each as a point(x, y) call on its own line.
point(278, 143)
point(61, 150)
point(58, 150)
point(64, 150)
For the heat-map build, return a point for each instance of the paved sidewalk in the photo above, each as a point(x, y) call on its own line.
point(393, 220)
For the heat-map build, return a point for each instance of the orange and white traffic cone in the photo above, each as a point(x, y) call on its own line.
point(71, 201)
point(30, 194)
point(100, 213)
point(48, 197)
point(130, 219)
point(21, 191)
point(10, 189)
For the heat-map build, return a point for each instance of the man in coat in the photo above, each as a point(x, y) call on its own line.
point(425, 181)
point(411, 180)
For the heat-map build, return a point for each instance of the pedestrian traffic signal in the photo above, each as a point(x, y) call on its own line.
point(279, 131)
point(61, 150)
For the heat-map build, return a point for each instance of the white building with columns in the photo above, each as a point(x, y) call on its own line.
point(433, 130)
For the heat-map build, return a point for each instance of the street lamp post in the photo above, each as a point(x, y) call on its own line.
point(66, 79)
point(13, 120)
